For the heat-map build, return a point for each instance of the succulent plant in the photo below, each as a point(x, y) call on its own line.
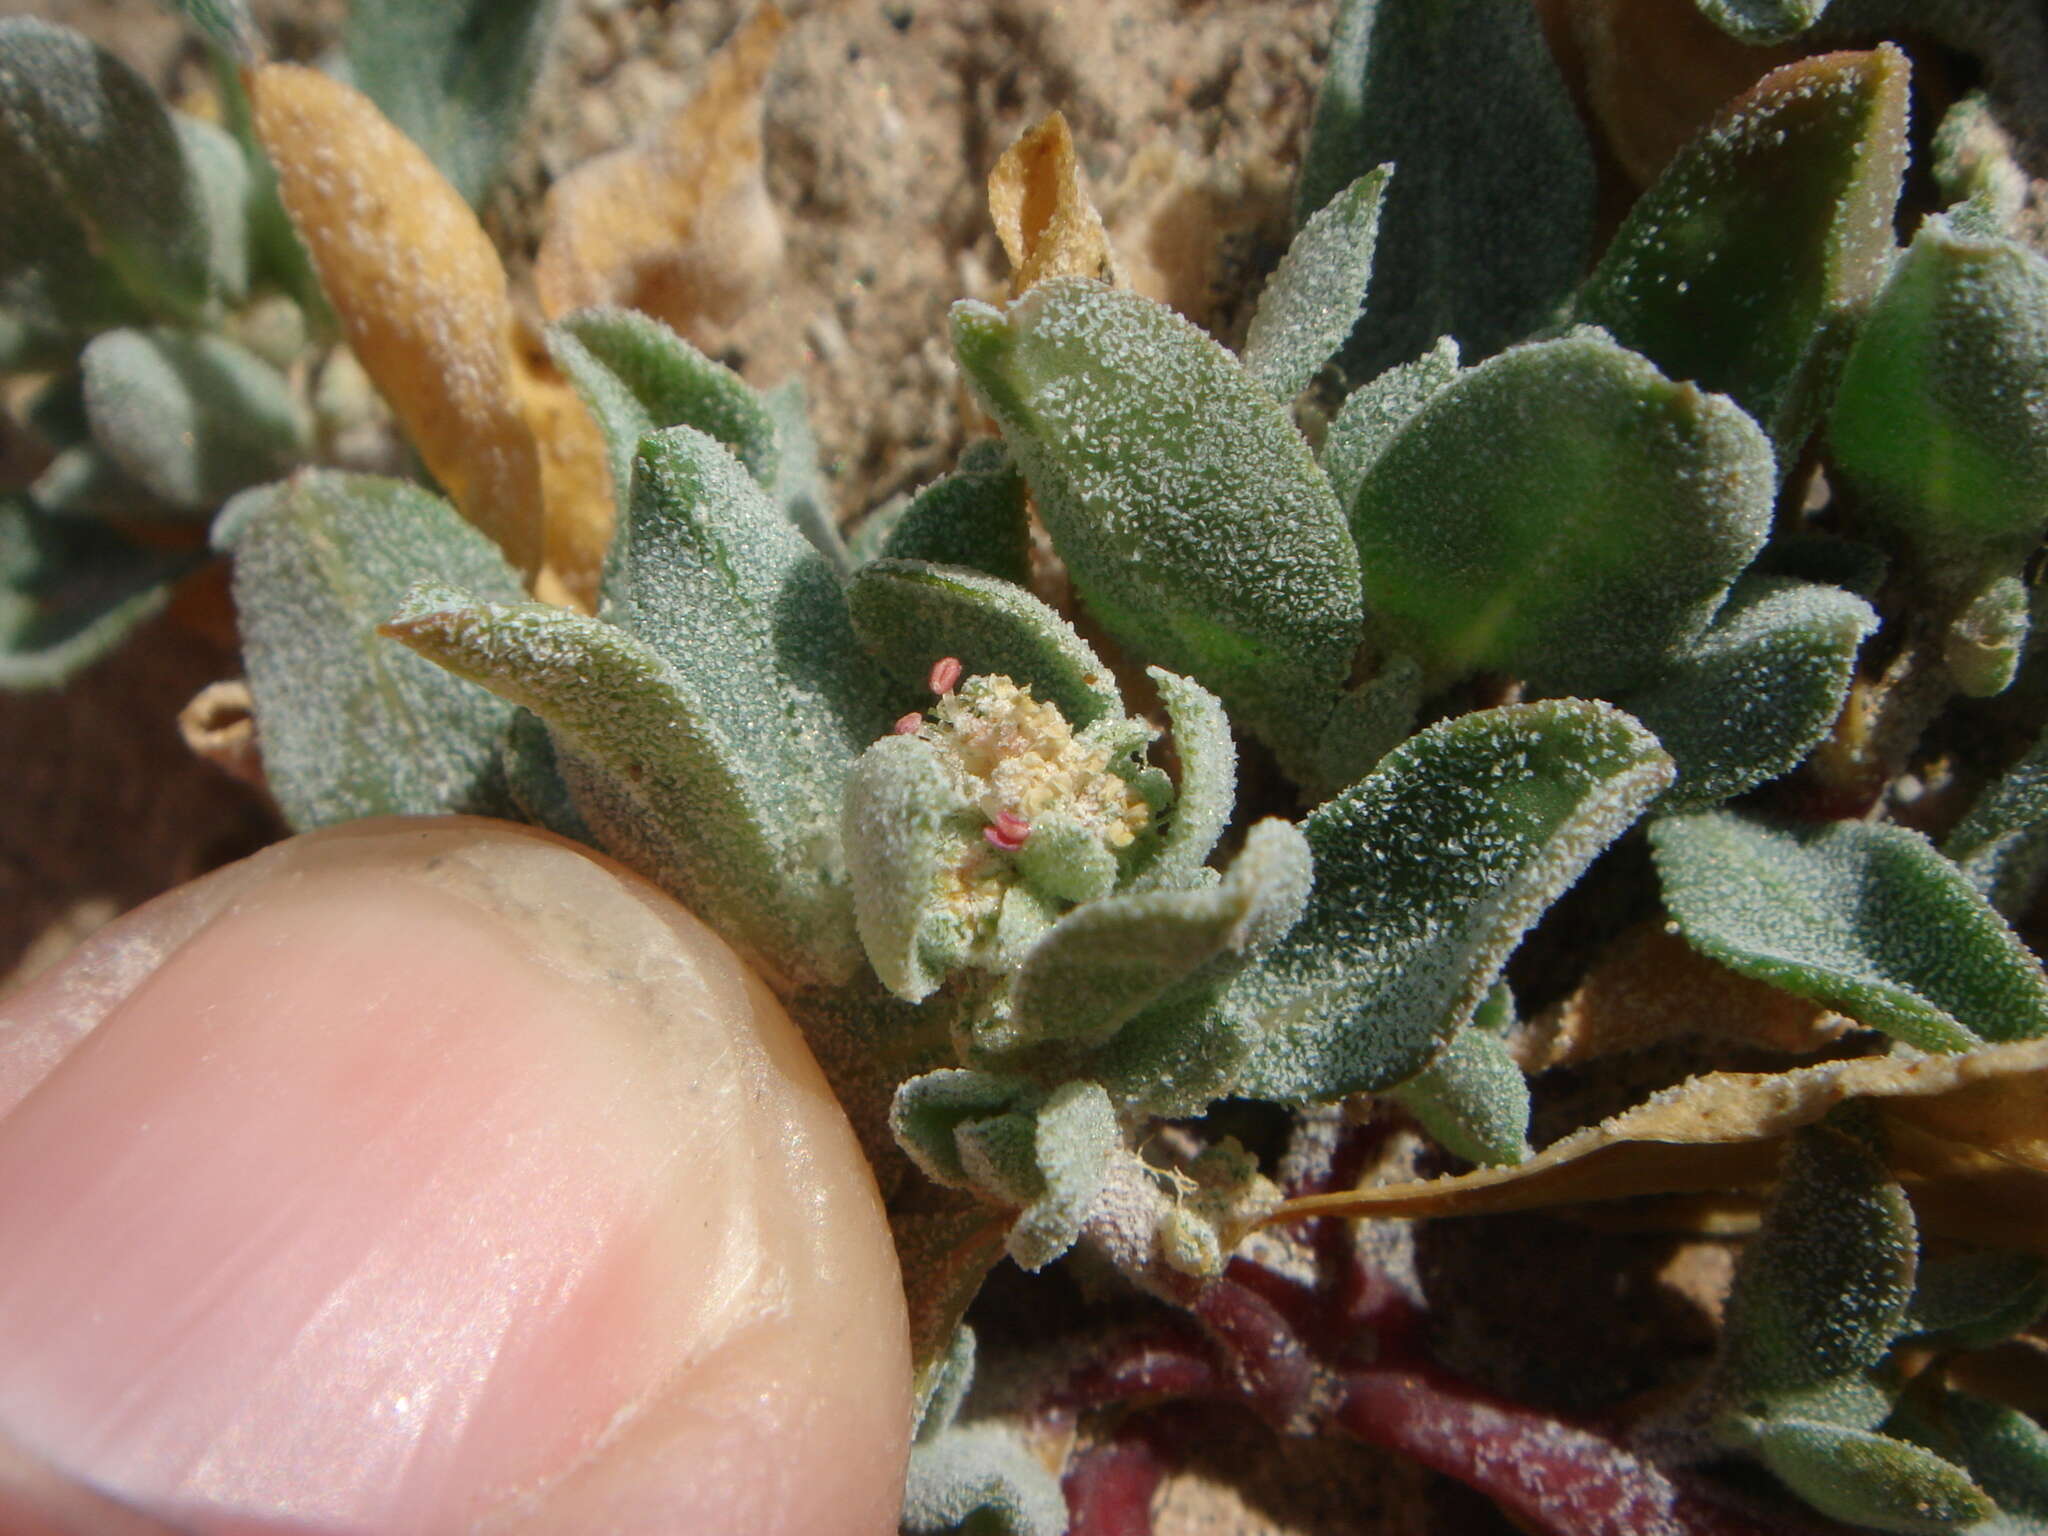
point(1683, 565)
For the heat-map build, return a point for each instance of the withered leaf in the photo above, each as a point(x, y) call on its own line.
point(1039, 201)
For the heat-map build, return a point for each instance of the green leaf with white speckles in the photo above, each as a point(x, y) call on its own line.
point(1490, 215)
point(1869, 920)
point(1472, 1099)
point(1763, 21)
point(1073, 1135)
point(985, 1474)
point(977, 517)
point(1973, 1300)
point(1207, 792)
point(352, 725)
point(71, 591)
point(1562, 512)
point(1758, 691)
point(1743, 267)
point(1316, 294)
point(1871, 1479)
point(1192, 518)
point(656, 770)
point(1428, 873)
point(2007, 1453)
point(927, 1110)
point(909, 614)
point(2002, 844)
point(904, 826)
point(1373, 414)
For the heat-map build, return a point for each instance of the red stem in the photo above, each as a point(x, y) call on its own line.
point(1109, 1489)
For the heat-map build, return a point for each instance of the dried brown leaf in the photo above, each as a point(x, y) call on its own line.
point(1652, 986)
point(679, 227)
point(219, 725)
point(1043, 214)
point(419, 288)
point(1966, 1134)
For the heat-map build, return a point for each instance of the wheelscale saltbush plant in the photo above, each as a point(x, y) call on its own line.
point(1690, 567)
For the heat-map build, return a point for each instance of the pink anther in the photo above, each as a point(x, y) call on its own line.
point(945, 673)
point(910, 724)
point(1007, 832)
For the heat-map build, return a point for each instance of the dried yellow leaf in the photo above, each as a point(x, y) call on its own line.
point(1967, 1135)
point(576, 483)
point(419, 289)
point(681, 227)
point(1043, 214)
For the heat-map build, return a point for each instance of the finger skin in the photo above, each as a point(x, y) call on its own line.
point(435, 1176)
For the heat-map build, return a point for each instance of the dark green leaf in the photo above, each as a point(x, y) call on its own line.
point(1974, 1300)
point(352, 725)
point(85, 481)
point(2002, 844)
point(2007, 1453)
point(1744, 266)
point(454, 75)
point(1871, 1479)
point(1472, 1098)
point(1428, 873)
point(533, 778)
point(1821, 1290)
point(1758, 691)
point(1316, 294)
point(976, 517)
point(70, 592)
point(909, 615)
point(192, 418)
point(1867, 919)
point(1490, 216)
point(1190, 513)
point(1562, 512)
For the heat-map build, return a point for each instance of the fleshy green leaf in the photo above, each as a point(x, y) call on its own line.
point(2002, 844)
point(1763, 21)
point(909, 614)
point(1105, 962)
point(1373, 415)
point(1562, 512)
point(904, 826)
point(226, 23)
point(1743, 267)
point(70, 592)
point(983, 1472)
point(222, 187)
point(1871, 1479)
point(1941, 423)
point(454, 75)
point(1973, 1300)
point(1758, 691)
point(1207, 792)
point(1369, 721)
point(947, 1386)
point(1074, 1134)
point(1316, 294)
point(192, 418)
point(638, 376)
point(1869, 920)
point(1821, 1290)
point(85, 480)
point(797, 484)
point(105, 219)
point(533, 778)
point(2007, 1453)
point(1472, 1098)
point(1490, 216)
point(927, 1111)
point(1428, 872)
point(666, 777)
point(351, 725)
point(976, 517)
point(1192, 518)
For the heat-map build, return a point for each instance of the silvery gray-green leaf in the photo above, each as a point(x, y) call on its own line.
point(84, 480)
point(1192, 518)
point(1822, 1289)
point(975, 517)
point(1986, 640)
point(1763, 21)
point(1941, 423)
point(2002, 844)
point(666, 777)
point(1207, 792)
point(638, 376)
point(1316, 294)
point(1490, 217)
point(986, 1473)
point(797, 484)
point(1179, 1056)
point(707, 570)
point(1370, 720)
point(226, 23)
point(1870, 1479)
point(1074, 1134)
point(947, 1387)
point(1743, 268)
point(533, 778)
point(191, 417)
point(927, 1111)
point(70, 592)
point(351, 724)
point(105, 220)
point(222, 187)
point(1562, 512)
point(1972, 1300)
point(1867, 919)
point(1374, 413)
point(1106, 961)
point(909, 614)
point(454, 75)
point(1472, 1099)
point(904, 828)
point(2006, 1452)
point(1758, 691)
point(1428, 873)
